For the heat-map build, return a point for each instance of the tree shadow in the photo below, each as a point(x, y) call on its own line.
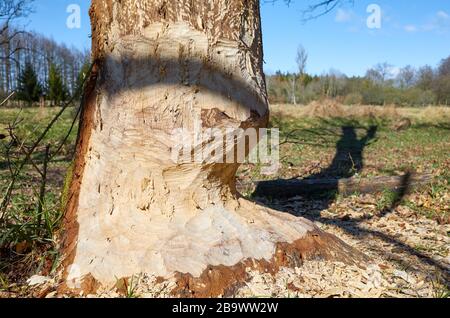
point(348, 159)
point(347, 162)
point(442, 125)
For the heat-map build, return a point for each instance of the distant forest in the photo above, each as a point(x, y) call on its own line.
point(410, 87)
point(35, 67)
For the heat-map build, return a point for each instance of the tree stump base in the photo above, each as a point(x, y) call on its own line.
point(210, 255)
point(225, 280)
point(161, 67)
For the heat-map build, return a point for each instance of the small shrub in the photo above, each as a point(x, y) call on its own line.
point(353, 99)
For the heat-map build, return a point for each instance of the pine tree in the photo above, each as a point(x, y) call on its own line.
point(28, 88)
point(56, 90)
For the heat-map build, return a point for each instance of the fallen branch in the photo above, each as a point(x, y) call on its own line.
point(7, 98)
point(283, 188)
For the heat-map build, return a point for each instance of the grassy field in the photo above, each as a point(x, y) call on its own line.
point(27, 233)
point(318, 141)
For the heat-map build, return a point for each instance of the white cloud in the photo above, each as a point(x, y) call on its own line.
point(343, 16)
point(439, 23)
point(410, 28)
point(442, 15)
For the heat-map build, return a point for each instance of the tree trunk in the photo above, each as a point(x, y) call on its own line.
point(159, 66)
point(8, 62)
point(294, 100)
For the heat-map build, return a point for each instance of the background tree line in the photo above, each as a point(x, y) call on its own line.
point(381, 85)
point(35, 66)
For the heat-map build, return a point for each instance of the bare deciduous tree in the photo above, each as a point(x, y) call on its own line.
point(40, 51)
point(301, 59)
point(293, 88)
point(10, 10)
point(407, 76)
point(379, 73)
point(425, 77)
point(442, 83)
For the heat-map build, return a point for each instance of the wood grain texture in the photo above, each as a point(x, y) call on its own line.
point(160, 66)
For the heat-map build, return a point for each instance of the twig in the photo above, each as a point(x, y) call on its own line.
point(7, 98)
point(7, 196)
point(36, 167)
point(13, 141)
point(68, 133)
point(42, 189)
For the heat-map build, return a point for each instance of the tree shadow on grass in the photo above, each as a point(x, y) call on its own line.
point(347, 162)
point(348, 159)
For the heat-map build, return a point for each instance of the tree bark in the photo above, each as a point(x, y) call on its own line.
point(159, 66)
point(7, 62)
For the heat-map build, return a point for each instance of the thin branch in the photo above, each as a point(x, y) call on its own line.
point(6, 199)
point(68, 133)
point(320, 9)
point(42, 188)
point(316, 10)
point(7, 98)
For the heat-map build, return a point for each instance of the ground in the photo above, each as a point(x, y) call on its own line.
point(406, 235)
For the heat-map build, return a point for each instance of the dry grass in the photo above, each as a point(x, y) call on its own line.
point(332, 109)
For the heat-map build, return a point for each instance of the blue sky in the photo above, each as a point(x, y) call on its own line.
point(415, 32)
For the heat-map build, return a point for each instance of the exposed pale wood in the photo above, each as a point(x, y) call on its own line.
point(159, 66)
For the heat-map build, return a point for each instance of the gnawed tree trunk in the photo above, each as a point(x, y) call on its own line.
point(159, 66)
